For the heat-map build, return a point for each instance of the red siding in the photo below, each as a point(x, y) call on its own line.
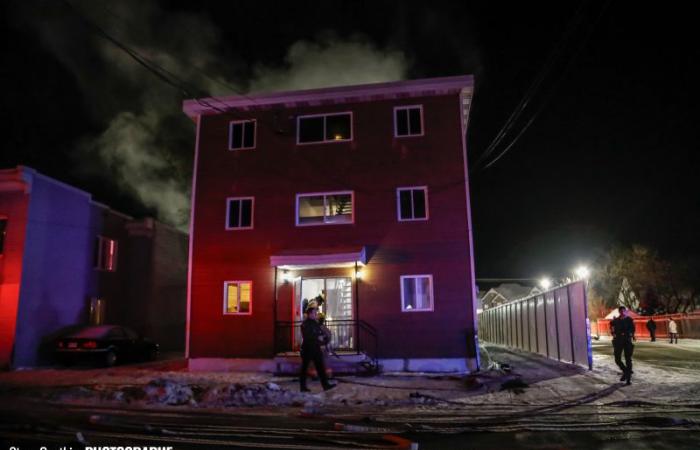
point(373, 165)
point(13, 207)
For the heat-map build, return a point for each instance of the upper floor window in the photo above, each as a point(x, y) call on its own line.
point(106, 254)
point(412, 203)
point(336, 127)
point(239, 213)
point(325, 208)
point(3, 233)
point(238, 297)
point(416, 293)
point(408, 121)
point(241, 134)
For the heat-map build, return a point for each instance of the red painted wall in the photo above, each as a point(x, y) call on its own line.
point(13, 207)
point(373, 165)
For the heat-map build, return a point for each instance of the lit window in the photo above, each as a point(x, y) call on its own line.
point(416, 293)
point(239, 213)
point(106, 254)
point(408, 121)
point(326, 208)
point(412, 203)
point(238, 297)
point(324, 128)
point(241, 134)
point(3, 233)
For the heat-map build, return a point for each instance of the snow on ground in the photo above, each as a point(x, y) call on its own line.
point(533, 380)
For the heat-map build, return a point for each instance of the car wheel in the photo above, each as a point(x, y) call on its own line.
point(110, 358)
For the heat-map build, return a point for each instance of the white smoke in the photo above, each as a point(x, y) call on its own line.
point(331, 62)
point(147, 143)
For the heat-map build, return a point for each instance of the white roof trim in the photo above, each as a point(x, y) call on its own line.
point(341, 94)
point(347, 259)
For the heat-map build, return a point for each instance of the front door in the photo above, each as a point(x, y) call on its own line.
point(337, 307)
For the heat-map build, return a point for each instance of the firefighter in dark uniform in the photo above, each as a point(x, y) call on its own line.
point(622, 328)
point(313, 337)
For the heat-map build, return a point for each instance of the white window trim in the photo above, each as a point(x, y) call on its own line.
point(432, 297)
point(230, 134)
point(250, 311)
point(316, 194)
point(398, 203)
point(422, 122)
point(100, 240)
point(331, 141)
point(252, 213)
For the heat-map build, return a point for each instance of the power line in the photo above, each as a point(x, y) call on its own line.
point(572, 27)
point(551, 92)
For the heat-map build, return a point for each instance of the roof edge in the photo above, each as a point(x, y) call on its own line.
point(341, 94)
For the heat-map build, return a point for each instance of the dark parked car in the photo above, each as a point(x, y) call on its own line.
point(106, 344)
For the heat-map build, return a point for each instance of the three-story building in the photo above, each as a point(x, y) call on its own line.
point(356, 194)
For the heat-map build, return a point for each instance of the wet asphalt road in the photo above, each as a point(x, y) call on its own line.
point(586, 426)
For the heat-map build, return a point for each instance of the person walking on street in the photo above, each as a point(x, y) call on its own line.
point(673, 330)
point(622, 328)
point(651, 326)
point(313, 337)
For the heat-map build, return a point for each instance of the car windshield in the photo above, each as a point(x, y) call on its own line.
point(92, 332)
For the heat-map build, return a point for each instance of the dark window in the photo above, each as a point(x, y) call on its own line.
point(401, 122)
point(311, 129)
point(240, 213)
point(242, 135)
point(412, 204)
point(338, 127)
point(408, 121)
point(330, 128)
point(3, 233)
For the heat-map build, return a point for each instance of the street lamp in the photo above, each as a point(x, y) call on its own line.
point(545, 283)
point(582, 272)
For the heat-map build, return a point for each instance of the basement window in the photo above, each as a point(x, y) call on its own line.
point(408, 121)
point(323, 128)
point(325, 208)
point(241, 134)
point(412, 203)
point(416, 293)
point(239, 213)
point(238, 297)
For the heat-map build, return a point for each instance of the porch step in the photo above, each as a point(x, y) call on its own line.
point(340, 364)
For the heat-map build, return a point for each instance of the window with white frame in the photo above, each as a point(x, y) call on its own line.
point(239, 213)
point(105, 254)
point(416, 293)
point(313, 129)
point(325, 208)
point(408, 121)
point(412, 203)
point(238, 297)
point(241, 134)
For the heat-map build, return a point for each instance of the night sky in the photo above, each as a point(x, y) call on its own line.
point(611, 155)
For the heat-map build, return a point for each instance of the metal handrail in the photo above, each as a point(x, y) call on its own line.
point(288, 336)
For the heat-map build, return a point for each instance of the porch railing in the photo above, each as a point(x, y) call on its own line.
point(346, 336)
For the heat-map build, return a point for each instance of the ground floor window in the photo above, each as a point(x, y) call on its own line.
point(238, 297)
point(416, 293)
